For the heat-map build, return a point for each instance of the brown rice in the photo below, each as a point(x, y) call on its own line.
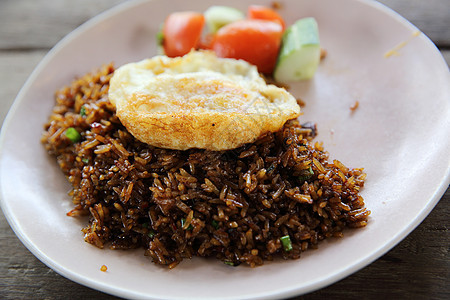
point(234, 205)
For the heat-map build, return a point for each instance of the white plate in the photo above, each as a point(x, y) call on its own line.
point(399, 134)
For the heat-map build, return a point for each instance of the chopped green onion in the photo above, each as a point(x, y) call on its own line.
point(145, 225)
point(215, 224)
point(286, 242)
point(190, 227)
point(230, 263)
point(73, 135)
point(85, 160)
point(306, 174)
point(83, 111)
point(151, 234)
point(270, 168)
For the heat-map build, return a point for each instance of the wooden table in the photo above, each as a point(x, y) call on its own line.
point(417, 268)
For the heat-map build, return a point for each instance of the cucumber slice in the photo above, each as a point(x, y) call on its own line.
point(300, 52)
point(218, 16)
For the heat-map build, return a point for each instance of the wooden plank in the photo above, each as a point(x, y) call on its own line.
point(432, 17)
point(40, 24)
point(15, 69)
point(31, 24)
point(23, 276)
point(446, 55)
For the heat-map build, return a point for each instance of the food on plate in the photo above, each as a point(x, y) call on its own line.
point(354, 106)
point(255, 41)
point(260, 38)
point(300, 54)
point(198, 101)
point(260, 12)
point(219, 16)
point(276, 196)
point(181, 32)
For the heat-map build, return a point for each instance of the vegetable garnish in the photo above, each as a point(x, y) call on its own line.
point(306, 174)
point(259, 38)
point(73, 135)
point(219, 16)
point(83, 111)
point(300, 52)
point(183, 222)
point(182, 32)
point(255, 41)
point(286, 242)
point(264, 13)
point(160, 37)
point(215, 224)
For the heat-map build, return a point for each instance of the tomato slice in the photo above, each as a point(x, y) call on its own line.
point(205, 42)
point(264, 13)
point(182, 32)
point(255, 41)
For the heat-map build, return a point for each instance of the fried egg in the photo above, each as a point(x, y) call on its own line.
point(198, 101)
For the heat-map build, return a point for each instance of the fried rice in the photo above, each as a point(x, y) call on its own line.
point(276, 197)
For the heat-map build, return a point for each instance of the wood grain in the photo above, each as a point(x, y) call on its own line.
point(40, 24)
point(431, 17)
point(417, 268)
